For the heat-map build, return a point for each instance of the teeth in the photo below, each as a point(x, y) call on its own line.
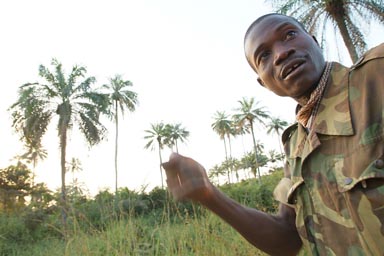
point(292, 68)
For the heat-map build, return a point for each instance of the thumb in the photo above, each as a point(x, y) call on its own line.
point(171, 162)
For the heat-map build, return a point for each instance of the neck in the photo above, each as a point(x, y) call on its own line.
point(303, 99)
point(310, 105)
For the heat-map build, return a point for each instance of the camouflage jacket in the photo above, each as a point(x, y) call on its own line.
point(336, 170)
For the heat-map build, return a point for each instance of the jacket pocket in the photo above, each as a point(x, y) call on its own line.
point(374, 171)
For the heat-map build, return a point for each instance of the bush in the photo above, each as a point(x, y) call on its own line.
point(13, 233)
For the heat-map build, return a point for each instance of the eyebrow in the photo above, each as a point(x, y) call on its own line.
point(283, 25)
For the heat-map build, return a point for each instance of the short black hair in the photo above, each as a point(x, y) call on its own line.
point(261, 18)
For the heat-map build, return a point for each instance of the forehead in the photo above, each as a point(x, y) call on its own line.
point(266, 29)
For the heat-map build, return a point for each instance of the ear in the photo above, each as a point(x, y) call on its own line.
point(260, 82)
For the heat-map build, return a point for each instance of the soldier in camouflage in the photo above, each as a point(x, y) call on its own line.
point(332, 195)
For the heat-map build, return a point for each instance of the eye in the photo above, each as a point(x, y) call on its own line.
point(290, 35)
point(263, 56)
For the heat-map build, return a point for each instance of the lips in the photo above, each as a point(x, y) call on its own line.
point(290, 68)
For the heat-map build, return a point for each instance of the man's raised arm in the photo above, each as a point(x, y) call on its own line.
point(274, 234)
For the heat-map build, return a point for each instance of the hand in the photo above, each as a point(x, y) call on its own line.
point(187, 179)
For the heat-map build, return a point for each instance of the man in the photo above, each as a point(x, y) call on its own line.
point(332, 196)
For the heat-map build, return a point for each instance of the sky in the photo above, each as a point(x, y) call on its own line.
point(184, 58)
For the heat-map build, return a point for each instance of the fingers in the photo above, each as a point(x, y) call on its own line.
point(188, 190)
point(171, 170)
point(185, 177)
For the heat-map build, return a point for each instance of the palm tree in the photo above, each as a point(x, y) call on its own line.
point(248, 161)
point(240, 129)
point(216, 171)
point(273, 156)
point(121, 98)
point(69, 101)
point(223, 126)
point(174, 133)
point(74, 166)
point(275, 126)
point(347, 16)
point(34, 153)
point(156, 135)
point(248, 113)
point(233, 165)
point(75, 190)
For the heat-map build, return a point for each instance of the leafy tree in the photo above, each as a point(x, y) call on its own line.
point(14, 186)
point(155, 137)
point(68, 100)
point(247, 114)
point(347, 16)
point(41, 196)
point(122, 98)
point(174, 133)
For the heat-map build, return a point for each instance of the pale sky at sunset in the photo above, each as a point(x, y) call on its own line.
point(184, 58)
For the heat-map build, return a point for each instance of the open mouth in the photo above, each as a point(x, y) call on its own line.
point(290, 69)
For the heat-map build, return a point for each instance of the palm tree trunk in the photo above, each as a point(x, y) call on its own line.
point(229, 145)
point(346, 37)
point(33, 173)
point(161, 161)
point(226, 159)
point(279, 140)
point(281, 148)
point(116, 141)
point(255, 146)
point(230, 156)
point(63, 149)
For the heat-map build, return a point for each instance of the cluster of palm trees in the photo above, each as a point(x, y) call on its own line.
point(242, 122)
point(69, 101)
point(247, 164)
point(248, 115)
point(162, 135)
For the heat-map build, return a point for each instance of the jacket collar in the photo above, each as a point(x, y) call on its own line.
point(334, 116)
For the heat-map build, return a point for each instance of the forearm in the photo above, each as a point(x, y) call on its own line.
point(272, 234)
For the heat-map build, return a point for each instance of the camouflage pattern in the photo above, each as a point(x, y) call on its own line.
point(336, 171)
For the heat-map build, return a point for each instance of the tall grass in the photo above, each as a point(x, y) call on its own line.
point(191, 235)
point(149, 225)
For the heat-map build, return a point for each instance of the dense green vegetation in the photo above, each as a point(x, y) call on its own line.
point(140, 223)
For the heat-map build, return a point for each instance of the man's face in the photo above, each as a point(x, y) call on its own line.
point(287, 59)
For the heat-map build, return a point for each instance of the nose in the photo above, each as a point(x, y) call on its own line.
point(282, 52)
